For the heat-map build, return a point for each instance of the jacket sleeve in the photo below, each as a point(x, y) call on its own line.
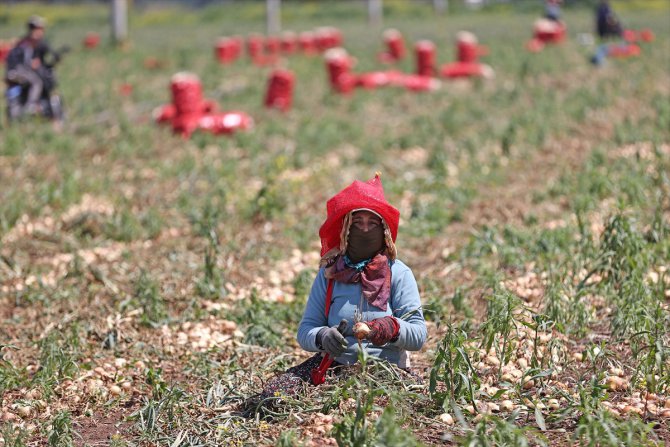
point(406, 300)
point(314, 317)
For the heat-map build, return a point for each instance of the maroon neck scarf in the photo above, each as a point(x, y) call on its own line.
point(375, 278)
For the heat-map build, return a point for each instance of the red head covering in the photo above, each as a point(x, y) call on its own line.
point(358, 195)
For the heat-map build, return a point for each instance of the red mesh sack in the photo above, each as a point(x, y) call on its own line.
point(307, 43)
point(91, 40)
point(339, 64)
point(327, 37)
point(280, 90)
point(425, 58)
point(185, 125)
point(255, 43)
point(5, 48)
point(226, 50)
point(548, 31)
point(395, 45)
point(186, 93)
point(272, 46)
point(467, 52)
point(373, 79)
point(629, 35)
point(647, 35)
point(165, 113)
point(624, 50)
point(225, 123)
point(358, 195)
point(417, 83)
point(463, 70)
point(396, 78)
point(289, 42)
point(534, 45)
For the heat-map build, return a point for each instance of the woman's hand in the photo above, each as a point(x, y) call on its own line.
point(382, 330)
point(332, 341)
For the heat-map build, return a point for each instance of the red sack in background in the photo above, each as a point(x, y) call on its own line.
point(289, 42)
point(624, 50)
point(91, 40)
point(307, 43)
point(225, 122)
point(425, 51)
point(280, 90)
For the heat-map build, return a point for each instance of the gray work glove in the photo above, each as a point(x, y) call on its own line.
point(331, 340)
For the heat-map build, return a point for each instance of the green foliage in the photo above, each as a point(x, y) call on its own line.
point(539, 323)
point(206, 219)
point(389, 432)
point(598, 427)
point(651, 347)
point(288, 438)
point(59, 353)
point(211, 284)
point(61, 433)
point(14, 436)
point(493, 431)
point(10, 375)
point(265, 322)
point(148, 298)
point(163, 407)
point(621, 249)
point(127, 226)
point(452, 369)
point(302, 283)
point(501, 324)
point(356, 430)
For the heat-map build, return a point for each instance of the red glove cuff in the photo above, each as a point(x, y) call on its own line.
point(383, 330)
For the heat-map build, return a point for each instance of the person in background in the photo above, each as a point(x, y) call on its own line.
point(607, 23)
point(552, 10)
point(25, 63)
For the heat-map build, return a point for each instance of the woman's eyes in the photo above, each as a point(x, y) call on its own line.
point(371, 223)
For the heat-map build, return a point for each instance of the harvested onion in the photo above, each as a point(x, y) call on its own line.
point(361, 330)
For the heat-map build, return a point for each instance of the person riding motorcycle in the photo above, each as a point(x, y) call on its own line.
point(29, 65)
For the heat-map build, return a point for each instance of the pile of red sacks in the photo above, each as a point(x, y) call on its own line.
point(623, 50)
point(643, 35)
point(189, 111)
point(467, 64)
point(630, 47)
point(339, 65)
point(395, 47)
point(545, 32)
point(266, 50)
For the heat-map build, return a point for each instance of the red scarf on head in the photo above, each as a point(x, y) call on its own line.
point(375, 278)
point(367, 195)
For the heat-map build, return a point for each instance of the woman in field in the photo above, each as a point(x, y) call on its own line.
point(360, 280)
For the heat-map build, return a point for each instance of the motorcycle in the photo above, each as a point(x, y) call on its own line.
point(50, 102)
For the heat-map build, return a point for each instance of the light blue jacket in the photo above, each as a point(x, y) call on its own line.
point(346, 298)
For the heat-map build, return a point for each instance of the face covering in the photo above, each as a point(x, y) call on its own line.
point(363, 245)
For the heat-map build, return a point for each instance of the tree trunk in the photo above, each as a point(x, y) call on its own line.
point(119, 21)
point(440, 6)
point(375, 12)
point(273, 16)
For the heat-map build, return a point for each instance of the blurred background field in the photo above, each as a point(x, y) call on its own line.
point(149, 283)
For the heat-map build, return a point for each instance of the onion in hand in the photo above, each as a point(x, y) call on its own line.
point(361, 330)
